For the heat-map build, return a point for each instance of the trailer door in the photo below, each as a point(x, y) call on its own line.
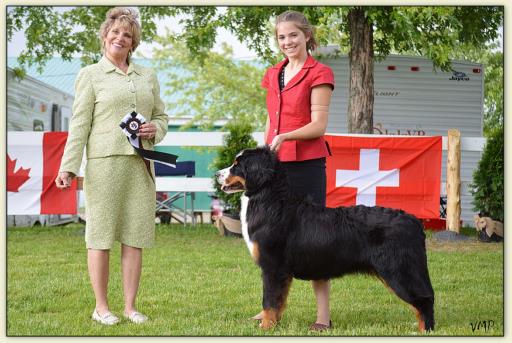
point(65, 117)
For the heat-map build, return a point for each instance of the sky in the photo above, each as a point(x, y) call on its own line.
point(240, 50)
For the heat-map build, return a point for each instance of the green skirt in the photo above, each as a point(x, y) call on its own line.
point(119, 202)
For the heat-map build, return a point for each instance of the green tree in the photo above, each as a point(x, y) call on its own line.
point(365, 32)
point(214, 89)
point(488, 187)
point(239, 137)
point(67, 31)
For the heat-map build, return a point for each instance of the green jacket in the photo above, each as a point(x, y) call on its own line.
point(103, 96)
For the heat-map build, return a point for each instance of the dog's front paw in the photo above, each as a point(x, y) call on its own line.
point(267, 324)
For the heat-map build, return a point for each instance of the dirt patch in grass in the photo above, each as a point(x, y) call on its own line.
point(472, 244)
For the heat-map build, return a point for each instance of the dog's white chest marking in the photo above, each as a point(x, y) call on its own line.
point(243, 219)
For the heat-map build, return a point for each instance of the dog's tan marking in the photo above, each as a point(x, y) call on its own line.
point(231, 180)
point(255, 253)
point(271, 316)
point(421, 322)
point(269, 319)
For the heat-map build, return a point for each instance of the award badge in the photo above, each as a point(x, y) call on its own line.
point(130, 125)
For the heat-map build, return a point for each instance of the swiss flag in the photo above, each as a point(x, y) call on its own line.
point(33, 161)
point(398, 172)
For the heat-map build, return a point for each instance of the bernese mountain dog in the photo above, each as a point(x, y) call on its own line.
point(291, 237)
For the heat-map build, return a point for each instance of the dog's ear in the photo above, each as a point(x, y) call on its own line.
point(261, 168)
point(490, 226)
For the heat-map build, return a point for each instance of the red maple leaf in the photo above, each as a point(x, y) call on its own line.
point(15, 179)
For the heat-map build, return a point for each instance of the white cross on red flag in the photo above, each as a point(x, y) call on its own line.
point(33, 161)
point(400, 172)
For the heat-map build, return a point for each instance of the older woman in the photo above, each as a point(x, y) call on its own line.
point(118, 184)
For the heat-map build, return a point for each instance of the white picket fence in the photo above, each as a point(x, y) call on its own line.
point(192, 139)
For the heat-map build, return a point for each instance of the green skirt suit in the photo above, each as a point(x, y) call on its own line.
point(119, 190)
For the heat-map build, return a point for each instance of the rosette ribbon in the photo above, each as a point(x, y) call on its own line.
point(130, 125)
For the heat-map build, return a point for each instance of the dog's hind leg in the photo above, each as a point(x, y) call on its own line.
point(275, 292)
point(421, 294)
point(412, 284)
point(423, 304)
point(425, 312)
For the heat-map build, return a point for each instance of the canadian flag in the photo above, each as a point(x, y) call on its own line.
point(398, 172)
point(33, 161)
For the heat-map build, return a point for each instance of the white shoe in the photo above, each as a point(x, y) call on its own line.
point(106, 319)
point(136, 317)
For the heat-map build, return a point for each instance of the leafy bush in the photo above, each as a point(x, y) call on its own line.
point(239, 137)
point(488, 179)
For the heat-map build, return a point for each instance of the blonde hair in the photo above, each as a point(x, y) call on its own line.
point(302, 24)
point(127, 17)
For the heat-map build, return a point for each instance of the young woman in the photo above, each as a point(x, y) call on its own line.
point(299, 90)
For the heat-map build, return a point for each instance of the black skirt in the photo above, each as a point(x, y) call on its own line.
point(308, 178)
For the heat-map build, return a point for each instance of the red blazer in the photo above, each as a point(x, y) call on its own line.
point(291, 109)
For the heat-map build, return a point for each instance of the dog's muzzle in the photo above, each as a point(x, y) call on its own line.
point(221, 175)
point(229, 183)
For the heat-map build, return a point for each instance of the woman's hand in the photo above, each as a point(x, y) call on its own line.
point(63, 180)
point(277, 141)
point(147, 131)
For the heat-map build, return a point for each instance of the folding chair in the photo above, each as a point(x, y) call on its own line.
point(442, 207)
point(168, 204)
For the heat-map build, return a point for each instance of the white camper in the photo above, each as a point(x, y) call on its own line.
point(33, 105)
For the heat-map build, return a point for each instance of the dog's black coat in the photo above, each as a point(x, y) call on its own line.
point(296, 238)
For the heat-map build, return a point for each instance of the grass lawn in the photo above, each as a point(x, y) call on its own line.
point(197, 283)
